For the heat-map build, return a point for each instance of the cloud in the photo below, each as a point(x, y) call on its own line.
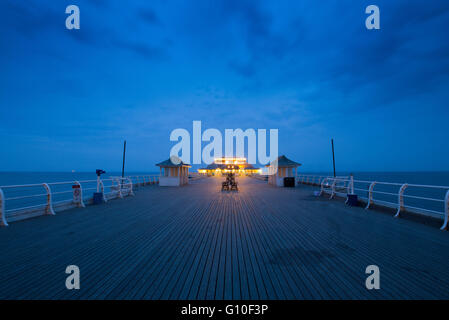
point(99, 3)
point(142, 49)
point(30, 19)
point(243, 69)
point(354, 68)
point(149, 16)
point(288, 65)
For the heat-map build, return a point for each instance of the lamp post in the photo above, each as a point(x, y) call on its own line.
point(333, 156)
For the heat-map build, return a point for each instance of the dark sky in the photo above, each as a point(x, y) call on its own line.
point(137, 71)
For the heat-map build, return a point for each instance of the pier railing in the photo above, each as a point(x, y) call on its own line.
point(18, 202)
point(193, 176)
point(139, 181)
point(429, 200)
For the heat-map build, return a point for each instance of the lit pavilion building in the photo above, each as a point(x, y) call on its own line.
point(229, 164)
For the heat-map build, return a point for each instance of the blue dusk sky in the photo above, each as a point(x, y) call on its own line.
point(136, 70)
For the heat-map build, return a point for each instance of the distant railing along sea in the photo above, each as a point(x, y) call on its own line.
point(18, 202)
point(430, 200)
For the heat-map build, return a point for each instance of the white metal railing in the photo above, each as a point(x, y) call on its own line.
point(417, 198)
point(312, 179)
point(336, 186)
point(18, 202)
point(262, 177)
point(193, 176)
point(143, 180)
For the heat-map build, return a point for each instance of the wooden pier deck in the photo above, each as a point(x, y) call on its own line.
point(196, 242)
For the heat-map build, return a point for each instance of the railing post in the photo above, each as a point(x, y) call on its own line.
point(333, 189)
point(119, 184)
point(78, 195)
point(370, 194)
point(49, 208)
point(322, 186)
point(401, 200)
point(102, 191)
point(131, 192)
point(3, 222)
point(350, 187)
point(446, 212)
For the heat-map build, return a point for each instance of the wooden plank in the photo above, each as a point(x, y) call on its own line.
point(199, 243)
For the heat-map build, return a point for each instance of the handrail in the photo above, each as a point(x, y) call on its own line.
point(101, 185)
point(446, 209)
point(26, 204)
point(330, 185)
point(370, 194)
point(401, 200)
point(333, 188)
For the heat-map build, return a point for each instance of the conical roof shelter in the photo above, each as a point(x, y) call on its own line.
point(282, 171)
point(173, 172)
point(283, 161)
point(172, 163)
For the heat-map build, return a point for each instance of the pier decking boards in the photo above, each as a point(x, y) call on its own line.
point(196, 242)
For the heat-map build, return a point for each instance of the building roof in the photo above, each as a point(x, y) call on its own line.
point(283, 161)
point(214, 166)
point(169, 163)
point(249, 166)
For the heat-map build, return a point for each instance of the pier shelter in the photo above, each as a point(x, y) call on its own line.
point(286, 168)
point(173, 174)
point(224, 165)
